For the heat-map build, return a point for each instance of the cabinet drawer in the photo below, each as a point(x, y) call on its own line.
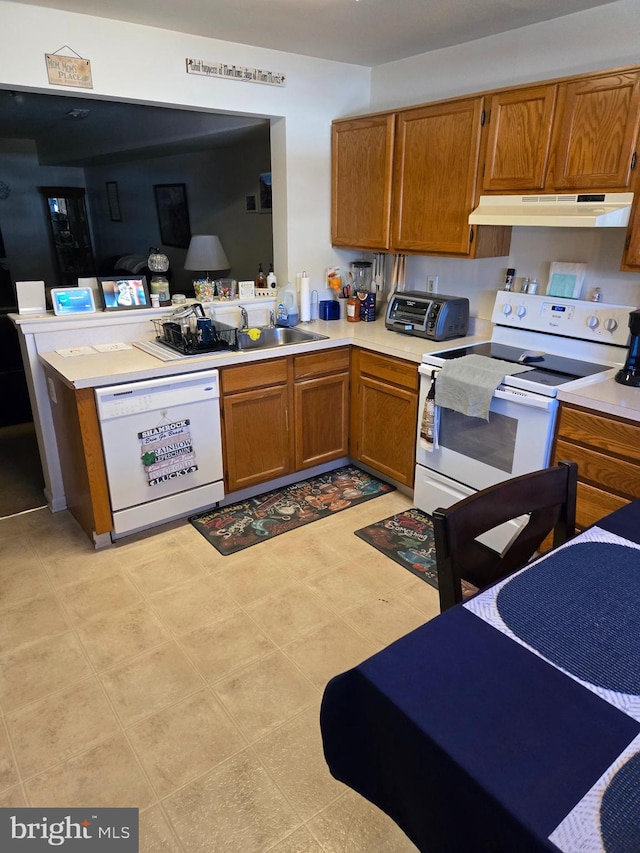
point(604, 433)
point(402, 373)
point(258, 374)
point(321, 363)
point(613, 474)
point(593, 504)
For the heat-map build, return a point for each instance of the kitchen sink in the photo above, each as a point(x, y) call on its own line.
point(266, 337)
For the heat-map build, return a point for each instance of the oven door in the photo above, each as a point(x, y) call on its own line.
point(477, 453)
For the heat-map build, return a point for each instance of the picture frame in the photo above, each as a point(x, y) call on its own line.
point(251, 204)
point(113, 201)
point(265, 192)
point(173, 214)
point(124, 293)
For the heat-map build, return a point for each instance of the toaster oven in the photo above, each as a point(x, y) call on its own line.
point(428, 315)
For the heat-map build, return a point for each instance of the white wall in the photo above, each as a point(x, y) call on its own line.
point(602, 38)
point(147, 65)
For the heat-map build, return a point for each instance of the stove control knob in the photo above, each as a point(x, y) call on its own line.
point(592, 321)
point(611, 324)
point(506, 309)
point(521, 311)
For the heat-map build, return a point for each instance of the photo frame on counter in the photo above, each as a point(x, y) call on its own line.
point(173, 214)
point(124, 293)
point(113, 201)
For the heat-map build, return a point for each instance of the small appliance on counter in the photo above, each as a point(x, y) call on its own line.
point(630, 373)
point(428, 315)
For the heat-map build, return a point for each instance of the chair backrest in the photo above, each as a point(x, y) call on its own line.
point(547, 496)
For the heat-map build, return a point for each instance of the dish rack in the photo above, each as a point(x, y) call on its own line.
point(188, 331)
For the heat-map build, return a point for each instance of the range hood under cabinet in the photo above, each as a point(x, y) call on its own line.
point(574, 210)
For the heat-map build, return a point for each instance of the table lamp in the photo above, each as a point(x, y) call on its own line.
point(205, 253)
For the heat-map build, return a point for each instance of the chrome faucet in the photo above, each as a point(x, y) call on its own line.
point(272, 319)
point(244, 318)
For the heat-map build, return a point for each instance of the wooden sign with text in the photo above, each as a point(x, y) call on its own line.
point(69, 71)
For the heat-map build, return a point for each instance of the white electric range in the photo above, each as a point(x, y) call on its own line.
point(561, 342)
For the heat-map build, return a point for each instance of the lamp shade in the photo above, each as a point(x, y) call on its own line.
point(206, 253)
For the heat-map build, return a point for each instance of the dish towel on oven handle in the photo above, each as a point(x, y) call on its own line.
point(466, 384)
point(430, 419)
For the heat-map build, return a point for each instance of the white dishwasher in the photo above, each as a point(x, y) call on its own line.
point(162, 448)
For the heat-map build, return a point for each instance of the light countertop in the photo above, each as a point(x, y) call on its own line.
point(129, 365)
point(606, 396)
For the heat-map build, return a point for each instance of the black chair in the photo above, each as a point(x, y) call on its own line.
point(547, 496)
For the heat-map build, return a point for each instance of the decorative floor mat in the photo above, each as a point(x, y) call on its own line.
point(238, 526)
point(407, 538)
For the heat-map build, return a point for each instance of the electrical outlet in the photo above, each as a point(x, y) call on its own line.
point(432, 284)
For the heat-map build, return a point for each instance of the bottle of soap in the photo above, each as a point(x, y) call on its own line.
point(287, 311)
point(272, 281)
point(261, 279)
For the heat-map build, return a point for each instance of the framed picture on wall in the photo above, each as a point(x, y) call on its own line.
point(173, 214)
point(265, 192)
point(113, 200)
point(250, 204)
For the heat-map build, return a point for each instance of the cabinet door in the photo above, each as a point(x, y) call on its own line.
point(596, 132)
point(436, 163)
point(384, 412)
point(321, 407)
point(386, 429)
point(362, 155)
point(256, 441)
point(519, 136)
point(631, 255)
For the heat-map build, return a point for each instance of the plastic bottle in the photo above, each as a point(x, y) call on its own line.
point(353, 309)
point(272, 281)
point(287, 311)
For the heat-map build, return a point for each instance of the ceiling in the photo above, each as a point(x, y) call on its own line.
point(362, 32)
point(114, 132)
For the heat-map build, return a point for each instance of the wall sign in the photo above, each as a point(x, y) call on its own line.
point(167, 452)
point(69, 71)
point(234, 72)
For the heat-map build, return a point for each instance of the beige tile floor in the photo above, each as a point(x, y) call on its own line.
point(161, 675)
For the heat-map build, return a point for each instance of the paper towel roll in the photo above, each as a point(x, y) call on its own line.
point(305, 298)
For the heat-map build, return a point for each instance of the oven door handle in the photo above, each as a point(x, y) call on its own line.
point(526, 398)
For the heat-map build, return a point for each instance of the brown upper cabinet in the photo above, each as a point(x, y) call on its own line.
point(420, 168)
point(362, 160)
point(519, 139)
point(595, 133)
point(434, 181)
point(406, 181)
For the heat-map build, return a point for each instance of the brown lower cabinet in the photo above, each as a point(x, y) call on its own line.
point(607, 451)
point(284, 415)
point(384, 411)
point(75, 421)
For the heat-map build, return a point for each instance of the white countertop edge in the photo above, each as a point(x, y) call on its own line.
point(131, 365)
point(605, 396)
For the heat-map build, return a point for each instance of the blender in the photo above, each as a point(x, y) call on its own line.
point(361, 272)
